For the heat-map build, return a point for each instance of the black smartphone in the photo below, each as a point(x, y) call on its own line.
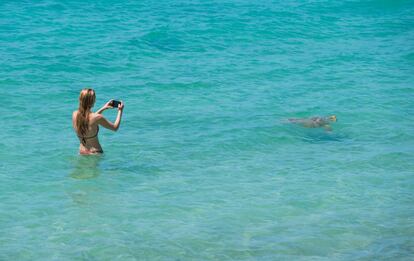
point(115, 103)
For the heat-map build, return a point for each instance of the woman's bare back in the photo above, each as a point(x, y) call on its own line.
point(89, 143)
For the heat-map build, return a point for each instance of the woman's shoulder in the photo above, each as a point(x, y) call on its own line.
point(95, 116)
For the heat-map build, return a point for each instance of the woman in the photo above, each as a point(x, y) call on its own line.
point(86, 123)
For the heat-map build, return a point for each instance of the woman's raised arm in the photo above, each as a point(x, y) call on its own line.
point(101, 120)
point(106, 106)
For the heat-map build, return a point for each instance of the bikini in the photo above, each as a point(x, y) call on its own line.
point(86, 138)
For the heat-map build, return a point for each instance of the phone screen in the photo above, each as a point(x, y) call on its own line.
point(115, 103)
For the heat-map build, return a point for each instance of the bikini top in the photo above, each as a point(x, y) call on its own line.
point(86, 138)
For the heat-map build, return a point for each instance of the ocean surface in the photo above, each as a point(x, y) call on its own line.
point(205, 165)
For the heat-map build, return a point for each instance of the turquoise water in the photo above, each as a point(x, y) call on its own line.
point(204, 166)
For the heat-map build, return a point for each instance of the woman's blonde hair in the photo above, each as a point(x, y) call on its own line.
point(86, 102)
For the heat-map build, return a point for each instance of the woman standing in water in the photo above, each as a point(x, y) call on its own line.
point(86, 123)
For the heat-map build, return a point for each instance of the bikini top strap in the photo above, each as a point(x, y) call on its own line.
point(85, 138)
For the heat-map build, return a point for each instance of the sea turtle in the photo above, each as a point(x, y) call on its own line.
point(315, 122)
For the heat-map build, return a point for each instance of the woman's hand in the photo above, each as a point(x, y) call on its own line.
point(108, 105)
point(121, 106)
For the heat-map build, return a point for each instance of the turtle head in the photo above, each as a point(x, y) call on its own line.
point(333, 118)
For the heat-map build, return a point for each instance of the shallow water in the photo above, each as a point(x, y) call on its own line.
point(205, 166)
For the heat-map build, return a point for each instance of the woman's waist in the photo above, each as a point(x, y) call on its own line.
point(90, 149)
